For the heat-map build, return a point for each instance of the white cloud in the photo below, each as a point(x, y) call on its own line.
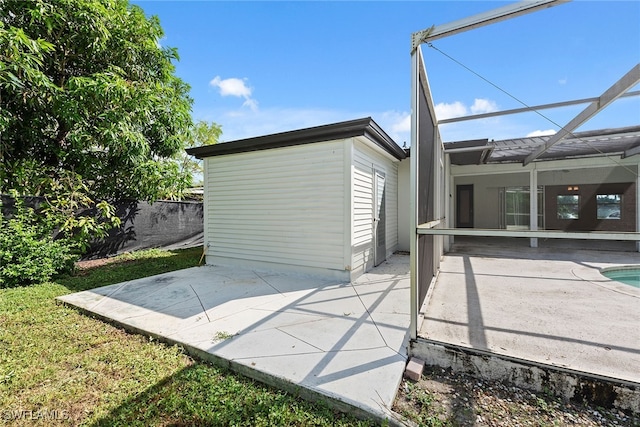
point(447, 111)
point(481, 106)
point(563, 81)
point(251, 103)
point(397, 124)
point(458, 108)
point(235, 87)
point(541, 133)
point(403, 125)
point(231, 87)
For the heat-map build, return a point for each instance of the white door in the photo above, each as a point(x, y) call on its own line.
point(379, 218)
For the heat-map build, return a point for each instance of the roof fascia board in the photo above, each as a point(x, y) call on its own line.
point(625, 83)
point(529, 109)
point(359, 127)
point(486, 18)
point(380, 137)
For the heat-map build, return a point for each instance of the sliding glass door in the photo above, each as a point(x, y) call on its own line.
point(515, 206)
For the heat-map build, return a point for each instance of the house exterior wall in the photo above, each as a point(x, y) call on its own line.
point(588, 210)
point(365, 161)
point(590, 182)
point(591, 179)
point(282, 208)
point(486, 195)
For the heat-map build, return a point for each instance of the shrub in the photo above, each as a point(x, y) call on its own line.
point(28, 252)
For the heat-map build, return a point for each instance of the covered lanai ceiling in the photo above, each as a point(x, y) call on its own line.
point(624, 142)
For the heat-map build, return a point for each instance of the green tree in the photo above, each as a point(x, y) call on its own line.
point(88, 92)
point(202, 133)
point(91, 112)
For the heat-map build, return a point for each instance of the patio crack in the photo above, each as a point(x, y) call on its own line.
point(296, 338)
point(270, 285)
point(375, 324)
point(201, 304)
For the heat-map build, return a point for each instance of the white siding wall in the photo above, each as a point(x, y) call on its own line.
point(281, 206)
point(365, 161)
point(404, 210)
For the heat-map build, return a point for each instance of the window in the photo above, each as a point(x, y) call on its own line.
point(516, 207)
point(568, 206)
point(609, 206)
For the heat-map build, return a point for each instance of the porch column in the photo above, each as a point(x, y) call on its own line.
point(533, 205)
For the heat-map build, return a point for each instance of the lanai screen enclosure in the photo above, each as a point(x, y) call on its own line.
point(431, 218)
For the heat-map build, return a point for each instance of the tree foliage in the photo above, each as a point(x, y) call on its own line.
point(202, 133)
point(28, 252)
point(86, 90)
point(91, 112)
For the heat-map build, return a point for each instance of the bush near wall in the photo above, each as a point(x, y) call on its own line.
point(28, 252)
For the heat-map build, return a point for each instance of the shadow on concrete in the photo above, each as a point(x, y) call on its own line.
point(476, 327)
point(341, 340)
point(545, 305)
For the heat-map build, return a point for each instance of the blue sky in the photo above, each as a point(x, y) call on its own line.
point(264, 67)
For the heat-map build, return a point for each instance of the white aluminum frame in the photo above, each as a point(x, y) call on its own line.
point(476, 21)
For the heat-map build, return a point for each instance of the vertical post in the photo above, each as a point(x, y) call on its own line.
point(638, 204)
point(413, 205)
point(436, 191)
point(448, 180)
point(533, 204)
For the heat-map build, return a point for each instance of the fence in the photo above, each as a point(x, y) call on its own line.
point(162, 224)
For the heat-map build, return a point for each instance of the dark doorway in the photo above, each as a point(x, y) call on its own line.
point(464, 206)
point(380, 218)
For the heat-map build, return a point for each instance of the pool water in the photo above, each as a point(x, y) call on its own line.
point(629, 275)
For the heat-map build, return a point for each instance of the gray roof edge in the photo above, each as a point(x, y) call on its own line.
point(584, 134)
point(358, 127)
point(382, 139)
point(577, 135)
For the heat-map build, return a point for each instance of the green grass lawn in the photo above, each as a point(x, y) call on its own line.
point(57, 364)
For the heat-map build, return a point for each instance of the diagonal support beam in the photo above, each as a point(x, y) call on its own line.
point(614, 92)
point(528, 109)
point(480, 20)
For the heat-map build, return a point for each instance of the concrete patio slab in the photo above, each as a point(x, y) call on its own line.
point(347, 341)
point(548, 306)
